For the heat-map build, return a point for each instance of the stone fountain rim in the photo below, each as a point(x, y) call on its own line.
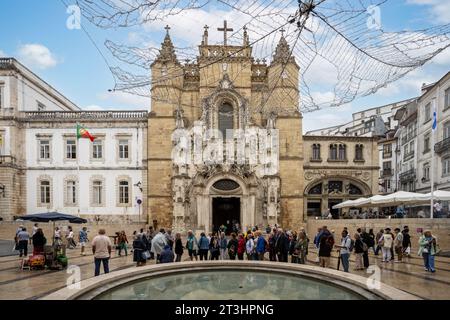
point(95, 286)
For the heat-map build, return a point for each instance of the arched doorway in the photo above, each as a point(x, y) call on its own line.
point(322, 195)
point(226, 206)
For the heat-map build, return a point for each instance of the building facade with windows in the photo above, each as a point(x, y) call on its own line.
point(338, 169)
point(44, 168)
point(434, 97)
point(388, 151)
point(103, 178)
point(407, 146)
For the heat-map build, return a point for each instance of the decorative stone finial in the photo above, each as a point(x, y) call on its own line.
point(283, 52)
point(167, 51)
point(205, 36)
point(246, 38)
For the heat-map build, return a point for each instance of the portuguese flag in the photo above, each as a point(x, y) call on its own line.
point(82, 133)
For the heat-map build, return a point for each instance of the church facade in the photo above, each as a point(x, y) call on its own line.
point(225, 93)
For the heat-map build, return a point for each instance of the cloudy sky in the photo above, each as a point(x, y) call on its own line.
point(36, 33)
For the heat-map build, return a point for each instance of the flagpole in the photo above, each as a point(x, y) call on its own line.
point(78, 170)
point(433, 129)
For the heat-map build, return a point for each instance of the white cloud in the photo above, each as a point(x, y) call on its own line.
point(37, 56)
point(123, 101)
point(439, 10)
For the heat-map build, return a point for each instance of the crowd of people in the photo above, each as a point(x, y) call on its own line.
point(279, 245)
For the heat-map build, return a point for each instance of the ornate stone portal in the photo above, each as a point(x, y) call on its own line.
point(196, 181)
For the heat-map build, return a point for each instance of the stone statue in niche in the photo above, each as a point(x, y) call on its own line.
point(179, 121)
point(271, 121)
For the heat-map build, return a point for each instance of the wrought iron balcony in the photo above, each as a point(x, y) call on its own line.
point(442, 146)
point(387, 154)
point(386, 172)
point(408, 175)
point(408, 156)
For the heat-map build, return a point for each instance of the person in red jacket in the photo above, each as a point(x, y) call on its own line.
point(241, 247)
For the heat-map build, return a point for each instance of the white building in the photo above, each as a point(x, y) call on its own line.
point(44, 168)
point(367, 123)
point(438, 94)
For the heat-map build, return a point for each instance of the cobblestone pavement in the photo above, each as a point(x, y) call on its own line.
point(409, 276)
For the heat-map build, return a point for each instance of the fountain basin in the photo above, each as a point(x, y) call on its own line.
point(229, 280)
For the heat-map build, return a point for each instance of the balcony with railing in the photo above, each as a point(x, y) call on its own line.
point(6, 63)
point(408, 156)
point(442, 146)
point(85, 115)
point(386, 173)
point(387, 154)
point(408, 175)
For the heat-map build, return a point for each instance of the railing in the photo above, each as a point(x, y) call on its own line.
point(408, 156)
point(386, 172)
point(7, 160)
point(6, 63)
point(387, 154)
point(442, 146)
point(408, 175)
point(86, 115)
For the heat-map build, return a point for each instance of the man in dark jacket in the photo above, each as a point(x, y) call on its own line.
point(365, 237)
point(282, 246)
point(326, 245)
point(166, 255)
point(406, 241)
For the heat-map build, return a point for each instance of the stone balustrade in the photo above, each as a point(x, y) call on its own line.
point(84, 115)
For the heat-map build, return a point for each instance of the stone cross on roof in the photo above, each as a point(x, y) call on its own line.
point(225, 29)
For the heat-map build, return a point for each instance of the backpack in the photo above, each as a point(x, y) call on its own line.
point(365, 247)
point(352, 245)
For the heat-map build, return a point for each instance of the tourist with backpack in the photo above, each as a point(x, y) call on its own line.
point(203, 246)
point(345, 249)
point(301, 248)
point(192, 245)
point(359, 251)
point(325, 247)
point(260, 246)
point(377, 241)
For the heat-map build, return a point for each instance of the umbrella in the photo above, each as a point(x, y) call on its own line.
point(438, 195)
point(345, 204)
point(52, 217)
point(398, 198)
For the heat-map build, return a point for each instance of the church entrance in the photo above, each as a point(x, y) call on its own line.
point(227, 212)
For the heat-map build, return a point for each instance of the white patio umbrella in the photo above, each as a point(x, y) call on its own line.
point(345, 204)
point(398, 198)
point(369, 202)
point(438, 195)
